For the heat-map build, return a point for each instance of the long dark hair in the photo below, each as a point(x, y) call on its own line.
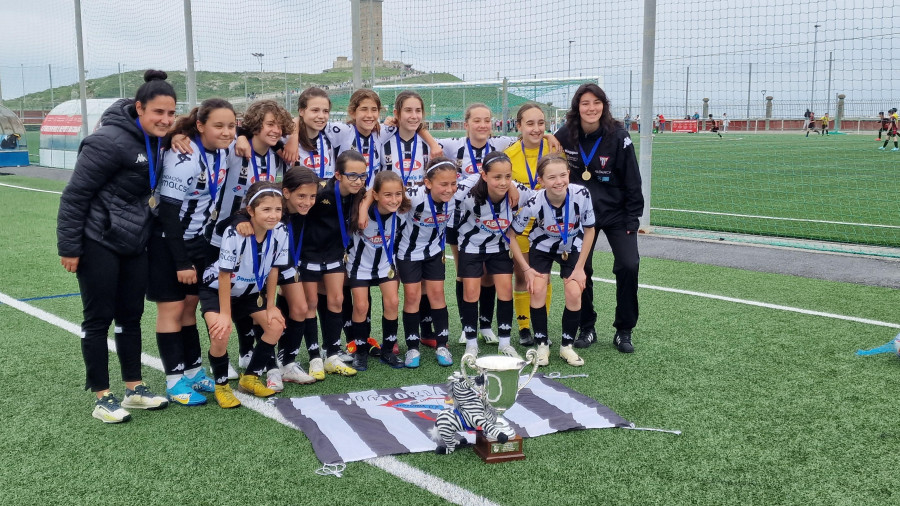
point(187, 125)
point(340, 167)
point(480, 190)
point(256, 188)
point(382, 178)
point(302, 103)
point(573, 118)
point(298, 176)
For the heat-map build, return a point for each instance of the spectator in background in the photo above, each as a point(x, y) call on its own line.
point(637, 119)
point(725, 122)
point(662, 123)
point(627, 121)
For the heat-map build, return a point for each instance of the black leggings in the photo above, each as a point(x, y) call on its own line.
point(112, 288)
point(626, 262)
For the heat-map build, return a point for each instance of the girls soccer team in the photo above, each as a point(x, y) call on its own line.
point(366, 205)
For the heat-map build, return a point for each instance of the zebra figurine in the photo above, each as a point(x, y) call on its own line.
point(469, 412)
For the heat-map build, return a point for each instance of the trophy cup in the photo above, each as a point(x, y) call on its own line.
point(501, 386)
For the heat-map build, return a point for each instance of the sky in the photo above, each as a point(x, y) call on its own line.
point(713, 49)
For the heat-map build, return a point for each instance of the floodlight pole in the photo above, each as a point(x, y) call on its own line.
point(812, 92)
point(82, 86)
point(191, 77)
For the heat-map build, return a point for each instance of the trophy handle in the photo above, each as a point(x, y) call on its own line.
point(531, 358)
point(468, 360)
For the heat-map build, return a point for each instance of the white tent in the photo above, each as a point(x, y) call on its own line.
point(13, 149)
point(61, 131)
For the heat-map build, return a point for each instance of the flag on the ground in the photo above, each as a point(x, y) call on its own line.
point(360, 425)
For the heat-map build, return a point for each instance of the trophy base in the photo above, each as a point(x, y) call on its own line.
point(494, 452)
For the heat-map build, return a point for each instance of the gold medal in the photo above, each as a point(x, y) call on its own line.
point(391, 273)
point(296, 276)
point(214, 215)
point(443, 259)
point(510, 254)
point(586, 176)
point(259, 301)
point(152, 202)
point(565, 255)
point(346, 258)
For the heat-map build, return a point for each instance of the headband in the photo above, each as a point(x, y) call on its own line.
point(435, 166)
point(499, 158)
point(265, 190)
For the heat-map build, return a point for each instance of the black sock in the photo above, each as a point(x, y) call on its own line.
point(331, 332)
point(289, 344)
point(459, 294)
point(190, 339)
point(388, 334)
point(468, 312)
point(347, 314)
point(219, 367)
point(263, 352)
point(311, 336)
point(486, 306)
point(425, 318)
point(441, 325)
point(570, 321)
point(360, 337)
point(539, 324)
point(504, 318)
point(411, 330)
point(886, 143)
point(171, 352)
point(246, 332)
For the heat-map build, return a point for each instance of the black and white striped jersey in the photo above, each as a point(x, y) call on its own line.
point(406, 157)
point(236, 255)
point(243, 172)
point(420, 230)
point(368, 254)
point(186, 182)
point(323, 248)
point(462, 152)
point(347, 138)
point(314, 160)
point(481, 227)
point(549, 220)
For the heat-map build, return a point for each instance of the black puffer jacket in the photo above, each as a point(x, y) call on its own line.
point(107, 198)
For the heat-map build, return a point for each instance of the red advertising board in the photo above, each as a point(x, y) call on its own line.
point(684, 125)
point(57, 124)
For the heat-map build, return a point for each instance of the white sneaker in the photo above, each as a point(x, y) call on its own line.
point(412, 359)
point(317, 369)
point(107, 409)
point(489, 336)
point(509, 351)
point(568, 354)
point(472, 348)
point(142, 398)
point(243, 362)
point(274, 380)
point(543, 355)
point(293, 373)
point(462, 338)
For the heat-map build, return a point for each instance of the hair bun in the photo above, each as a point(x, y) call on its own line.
point(155, 75)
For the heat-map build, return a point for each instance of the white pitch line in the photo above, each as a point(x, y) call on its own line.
point(778, 218)
point(29, 189)
point(437, 486)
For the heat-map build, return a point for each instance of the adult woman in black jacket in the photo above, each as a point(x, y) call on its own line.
point(102, 230)
point(601, 157)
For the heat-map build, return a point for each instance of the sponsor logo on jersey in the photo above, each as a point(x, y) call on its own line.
point(554, 228)
point(375, 240)
point(141, 158)
point(627, 142)
point(312, 161)
point(237, 188)
point(603, 160)
point(469, 170)
point(495, 226)
point(429, 220)
point(417, 165)
point(182, 157)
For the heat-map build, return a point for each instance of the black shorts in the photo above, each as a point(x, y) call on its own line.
point(162, 283)
point(452, 236)
point(287, 276)
point(241, 307)
point(414, 271)
point(476, 265)
point(313, 276)
point(542, 262)
point(368, 283)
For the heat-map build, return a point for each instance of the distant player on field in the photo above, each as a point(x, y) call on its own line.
point(824, 126)
point(714, 126)
point(883, 124)
point(891, 129)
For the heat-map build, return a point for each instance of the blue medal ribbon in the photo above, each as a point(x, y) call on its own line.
point(441, 233)
point(412, 161)
point(387, 246)
point(340, 210)
point(260, 277)
point(295, 250)
point(359, 147)
point(487, 149)
point(213, 177)
point(321, 155)
point(152, 157)
point(564, 229)
point(497, 217)
point(587, 159)
point(268, 165)
point(532, 180)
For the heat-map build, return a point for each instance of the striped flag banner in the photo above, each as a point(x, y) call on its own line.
point(361, 425)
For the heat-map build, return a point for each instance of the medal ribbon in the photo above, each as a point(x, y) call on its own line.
point(441, 233)
point(268, 165)
point(340, 210)
point(321, 155)
point(387, 246)
point(564, 229)
point(152, 158)
point(260, 277)
point(587, 159)
point(213, 177)
point(295, 250)
point(412, 161)
point(487, 149)
point(497, 217)
point(359, 147)
point(532, 181)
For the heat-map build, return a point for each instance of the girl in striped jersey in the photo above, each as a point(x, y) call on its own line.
point(362, 132)
point(563, 220)
point(407, 151)
point(525, 156)
point(233, 288)
point(323, 255)
point(372, 263)
point(316, 147)
point(420, 257)
point(178, 250)
point(482, 214)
